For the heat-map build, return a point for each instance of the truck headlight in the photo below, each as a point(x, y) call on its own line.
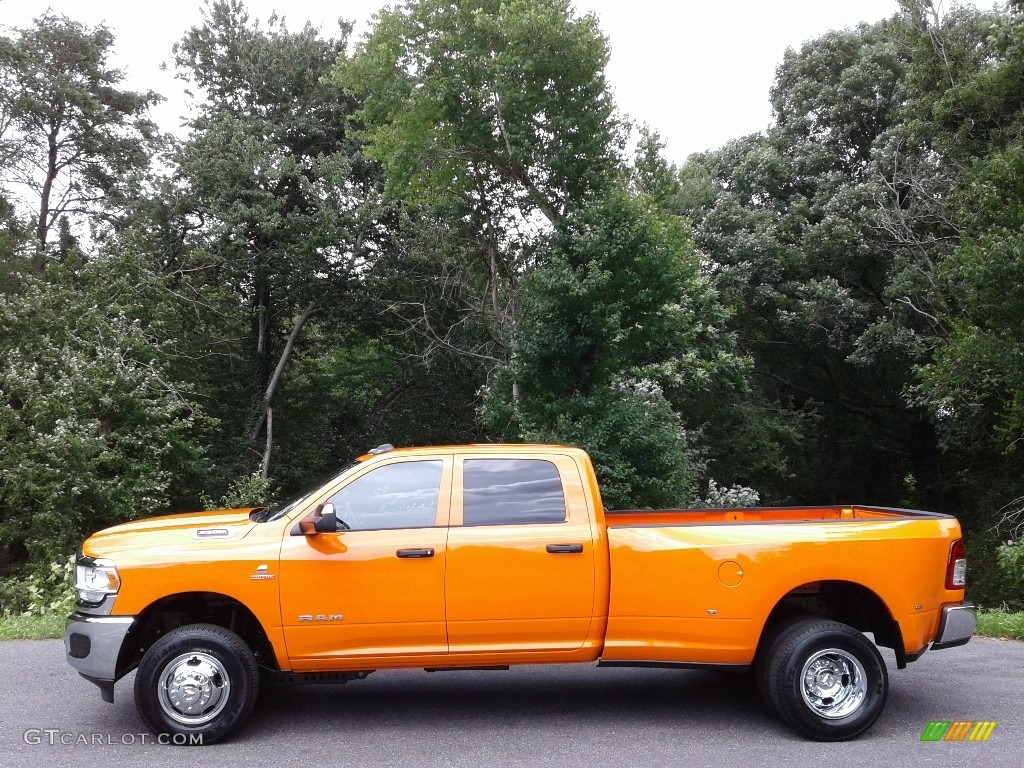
point(95, 578)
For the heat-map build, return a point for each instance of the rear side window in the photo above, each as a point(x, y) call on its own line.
point(511, 492)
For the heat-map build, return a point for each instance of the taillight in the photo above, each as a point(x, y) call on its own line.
point(956, 568)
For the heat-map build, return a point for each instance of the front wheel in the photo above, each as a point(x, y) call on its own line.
point(196, 684)
point(826, 679)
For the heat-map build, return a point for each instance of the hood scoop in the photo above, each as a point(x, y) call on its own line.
point(201, 534)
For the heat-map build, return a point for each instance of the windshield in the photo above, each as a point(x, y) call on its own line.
point(283, 508)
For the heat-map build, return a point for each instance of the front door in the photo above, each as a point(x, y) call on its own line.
point(375, 589)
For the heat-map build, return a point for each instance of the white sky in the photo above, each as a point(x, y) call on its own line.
point(698, 71)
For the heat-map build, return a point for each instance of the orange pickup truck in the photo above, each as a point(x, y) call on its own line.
point(484, 556)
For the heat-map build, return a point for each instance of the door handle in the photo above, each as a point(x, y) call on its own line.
point(565, 549)
point(426, 552)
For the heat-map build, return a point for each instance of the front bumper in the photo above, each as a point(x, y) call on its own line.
point(92, 645)
point(956, 626)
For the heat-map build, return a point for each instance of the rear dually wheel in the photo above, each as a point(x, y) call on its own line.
point(825, 679)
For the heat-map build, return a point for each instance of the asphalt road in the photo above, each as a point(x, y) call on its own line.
point(531, 716)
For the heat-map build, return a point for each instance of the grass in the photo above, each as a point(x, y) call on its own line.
point(999, 623)
point(46, 627)
point(991, 623)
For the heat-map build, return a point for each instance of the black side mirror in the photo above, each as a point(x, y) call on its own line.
point(327, 521)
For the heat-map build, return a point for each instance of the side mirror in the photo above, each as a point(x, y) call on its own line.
point(328, 520)
point(320, 520)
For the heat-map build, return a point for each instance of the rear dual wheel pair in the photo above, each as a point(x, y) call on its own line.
point(823, 678)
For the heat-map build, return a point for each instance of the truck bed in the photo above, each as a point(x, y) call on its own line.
point(696, 585)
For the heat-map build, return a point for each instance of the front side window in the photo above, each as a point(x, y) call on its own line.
point(511, 492)
point(401, 495)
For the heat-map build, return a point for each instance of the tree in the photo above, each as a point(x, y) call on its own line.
point(617, 319)
point(831, 307)
point(73, 140)
point(14, 235)
point(95, 429)
point(283, 209)
point(493, 116)
point(969, 113)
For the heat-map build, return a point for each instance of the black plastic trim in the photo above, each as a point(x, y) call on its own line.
point(274, 677)
point(564, 549)
point(493, 668)
point(106, 687)
point(677, 665)
point(415, 553)
point(909, 657)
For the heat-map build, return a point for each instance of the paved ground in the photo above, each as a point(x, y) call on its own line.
point(551, 716)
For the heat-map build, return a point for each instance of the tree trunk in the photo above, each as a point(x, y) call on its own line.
point(43, 222)
point(275, 379)
point(265, 470)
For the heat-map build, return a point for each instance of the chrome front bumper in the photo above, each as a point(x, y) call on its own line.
point(956, 626)
point(92, 645)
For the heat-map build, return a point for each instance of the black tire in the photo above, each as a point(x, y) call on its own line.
point(767, 648)
point(196, 684)
point(846, 694)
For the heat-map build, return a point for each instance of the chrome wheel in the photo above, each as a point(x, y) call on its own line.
point(193, 688)
point(833, 683)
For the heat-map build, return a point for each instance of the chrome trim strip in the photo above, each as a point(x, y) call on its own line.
point(102, 619)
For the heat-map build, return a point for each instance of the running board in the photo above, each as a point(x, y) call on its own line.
point(310, 678)
point(496, 668)
point(676, 665)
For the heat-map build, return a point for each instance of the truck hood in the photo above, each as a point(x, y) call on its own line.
point(215, 525)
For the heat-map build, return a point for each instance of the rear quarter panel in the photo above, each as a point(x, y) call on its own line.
point(702, 593)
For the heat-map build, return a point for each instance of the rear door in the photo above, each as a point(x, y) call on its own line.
point(520, 570)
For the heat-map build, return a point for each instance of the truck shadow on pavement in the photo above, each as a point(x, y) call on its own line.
point(477, 699)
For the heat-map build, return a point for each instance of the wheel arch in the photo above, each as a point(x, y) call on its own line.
point(183, 608)
point(845, 601)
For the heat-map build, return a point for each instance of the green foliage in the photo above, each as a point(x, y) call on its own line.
point(486, 116)
point(486, 97)
point(1001, 623)
point(272, 212)
point(245, 491)
point(46, 627)
point(94, 429)
point(1010, 557)
point(796, 241)
point(637, 443)
point(975, 383)
point(437, 240)
point(617, 316)
point(41, 590)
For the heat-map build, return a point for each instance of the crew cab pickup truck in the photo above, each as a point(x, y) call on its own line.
point(484, 556)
